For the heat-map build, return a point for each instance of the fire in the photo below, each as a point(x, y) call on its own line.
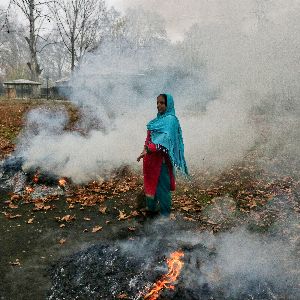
point(29, 189)
point(36, 177)
point(175, 265)
point(62, 182)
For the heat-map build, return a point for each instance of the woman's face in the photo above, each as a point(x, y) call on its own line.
point(161, 104)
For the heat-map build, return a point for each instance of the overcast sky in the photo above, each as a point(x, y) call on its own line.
point(175, 25)
point(181, 14)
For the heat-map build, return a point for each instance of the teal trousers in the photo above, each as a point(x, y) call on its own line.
point(163, 193)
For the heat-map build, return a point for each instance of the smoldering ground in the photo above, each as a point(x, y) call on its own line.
point(236, 265)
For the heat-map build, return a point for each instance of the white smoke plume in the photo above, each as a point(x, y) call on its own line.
point(235, 69)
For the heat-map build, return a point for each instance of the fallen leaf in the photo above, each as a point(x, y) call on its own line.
point(102, 209)
point(134, 213)
point(15, 197)
point(10, 216)
point(62, 241)
point(189, 219)
point(15, 263)
point(13, 206)
point(252, 204)
point(211, 222)
point(30, 221)
point(122, 215)
point(96, 229)
point(67, 218)
point(185, 208)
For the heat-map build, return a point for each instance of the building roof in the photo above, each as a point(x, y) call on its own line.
point(21, 82)
point(62, 81)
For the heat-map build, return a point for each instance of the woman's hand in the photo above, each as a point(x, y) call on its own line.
point(142, 155)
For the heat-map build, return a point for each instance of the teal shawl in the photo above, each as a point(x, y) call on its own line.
point(166, 131)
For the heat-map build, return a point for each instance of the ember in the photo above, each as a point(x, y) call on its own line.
point(29, 189)
point(36, 177)
point(175, 265)
point(62, 182)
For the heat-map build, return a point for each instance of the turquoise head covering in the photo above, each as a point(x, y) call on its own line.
point(166, 131)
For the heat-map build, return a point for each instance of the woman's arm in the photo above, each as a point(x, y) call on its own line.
point(150, 147)
point(144, 152)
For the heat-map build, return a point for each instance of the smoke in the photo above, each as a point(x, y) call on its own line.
point(234, 77)
point(243, 259)
point(239, 264)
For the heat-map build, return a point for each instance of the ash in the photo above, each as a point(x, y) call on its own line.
point(14, 179)
point(128, 269)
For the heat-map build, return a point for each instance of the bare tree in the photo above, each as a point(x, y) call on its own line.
point(55, 60)
point(34, 12)
point(80, 25)
point(13, 48)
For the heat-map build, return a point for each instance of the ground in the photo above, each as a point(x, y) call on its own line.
point(36, 232)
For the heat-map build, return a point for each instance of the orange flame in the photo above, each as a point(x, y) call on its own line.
point(29, 189)
point(175, 265)
point(62, 182)
point(36, 177)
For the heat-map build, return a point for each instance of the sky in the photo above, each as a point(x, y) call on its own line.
point(176, 26)
point(180, 15)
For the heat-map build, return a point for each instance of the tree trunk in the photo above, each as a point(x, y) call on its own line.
point(72, 54)
point(33, 65)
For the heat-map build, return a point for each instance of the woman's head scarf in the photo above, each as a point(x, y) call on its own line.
point(166, 131)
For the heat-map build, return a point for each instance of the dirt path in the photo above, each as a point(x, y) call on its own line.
point(28, 250)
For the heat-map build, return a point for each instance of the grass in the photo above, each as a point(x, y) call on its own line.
point(13, 115)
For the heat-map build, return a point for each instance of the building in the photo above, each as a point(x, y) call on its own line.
point(21, 88)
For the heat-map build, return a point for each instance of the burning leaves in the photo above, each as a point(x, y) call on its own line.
point(62, 182)
point(36, 177)
point(29, 189)
point(168, 280)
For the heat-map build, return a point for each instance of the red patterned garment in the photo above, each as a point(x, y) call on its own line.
point(152, 162)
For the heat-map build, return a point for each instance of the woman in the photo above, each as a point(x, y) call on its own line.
point(163, 152)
